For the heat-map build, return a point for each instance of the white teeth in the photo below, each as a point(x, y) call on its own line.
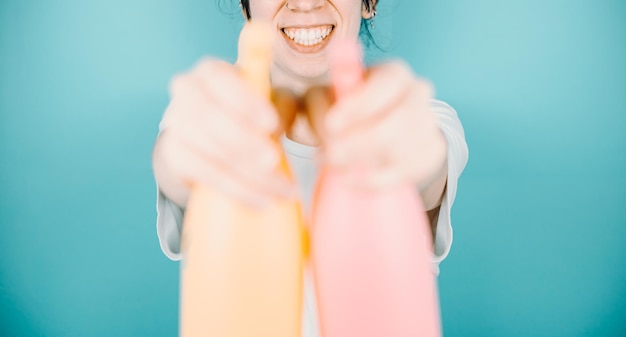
point(308, 37)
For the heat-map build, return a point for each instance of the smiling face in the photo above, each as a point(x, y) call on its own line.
point(304, 31)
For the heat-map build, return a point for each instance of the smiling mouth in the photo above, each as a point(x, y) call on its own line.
point(309, 36)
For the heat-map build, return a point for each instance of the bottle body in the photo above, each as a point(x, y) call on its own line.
point(242, 268)
point(241, 274)
point(371, 253)
point(371, 249)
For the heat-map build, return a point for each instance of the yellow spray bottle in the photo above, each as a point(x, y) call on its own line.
point(241, 272)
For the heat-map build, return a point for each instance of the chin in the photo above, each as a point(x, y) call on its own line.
point(301, 73)
point(312, 72)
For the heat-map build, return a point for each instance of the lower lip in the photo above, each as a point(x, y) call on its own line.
point(307, 49)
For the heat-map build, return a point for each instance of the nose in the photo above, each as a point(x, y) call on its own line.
point(304, 5)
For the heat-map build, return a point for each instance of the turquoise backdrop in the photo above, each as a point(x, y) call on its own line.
point(540, 222)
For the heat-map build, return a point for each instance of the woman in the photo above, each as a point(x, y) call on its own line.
point(391, 124)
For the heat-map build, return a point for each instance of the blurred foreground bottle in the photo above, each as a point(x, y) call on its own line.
point(371, 250)
point(242, 268)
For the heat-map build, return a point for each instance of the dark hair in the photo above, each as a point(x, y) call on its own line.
point(365, 33)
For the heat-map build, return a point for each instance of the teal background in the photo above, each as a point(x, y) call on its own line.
point(540, 226)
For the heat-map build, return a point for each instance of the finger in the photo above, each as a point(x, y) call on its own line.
point(404, 126)
point(252, 160)
point(221, 138)
point(199, 168)
point(381, 178)
point(212, 130)
point(192, 168)
point(275, 184)
point(416, 162)
point(383, 88)
point(233, 94)
point(369, 144)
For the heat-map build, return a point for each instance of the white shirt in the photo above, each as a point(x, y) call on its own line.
point(300, 157)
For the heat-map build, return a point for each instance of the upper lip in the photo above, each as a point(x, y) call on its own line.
point(309, 26)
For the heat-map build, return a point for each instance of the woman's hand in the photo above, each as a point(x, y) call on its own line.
point(384, 133)
point(216, 134)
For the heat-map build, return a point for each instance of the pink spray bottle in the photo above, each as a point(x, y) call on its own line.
point(371, 250)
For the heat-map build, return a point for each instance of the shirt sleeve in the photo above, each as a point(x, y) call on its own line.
point(169, 225)
point(169, 217)
point(458, 153)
